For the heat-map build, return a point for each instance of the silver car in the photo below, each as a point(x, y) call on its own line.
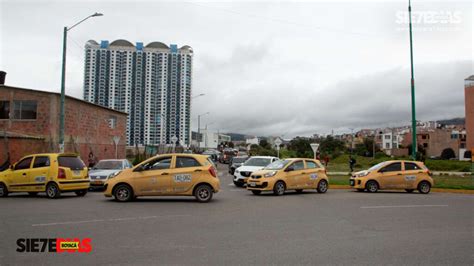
point(105, 169)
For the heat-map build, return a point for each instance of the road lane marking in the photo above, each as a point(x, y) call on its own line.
point(401, 206)
point(111, 220)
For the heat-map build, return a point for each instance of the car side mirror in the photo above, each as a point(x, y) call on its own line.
point(289, 169)
point(381, 171)
point(12, 166)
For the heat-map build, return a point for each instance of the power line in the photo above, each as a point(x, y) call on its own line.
point(282, 21)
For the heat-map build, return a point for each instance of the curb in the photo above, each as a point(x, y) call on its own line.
point(440, 190)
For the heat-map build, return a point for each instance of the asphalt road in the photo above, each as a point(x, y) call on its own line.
point(339, 227)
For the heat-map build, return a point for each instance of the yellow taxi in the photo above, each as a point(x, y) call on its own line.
point(407, 175)
point(166, 175)
point(289, 174)
point(52, 173)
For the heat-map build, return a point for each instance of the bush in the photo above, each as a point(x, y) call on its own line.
point(447, 154)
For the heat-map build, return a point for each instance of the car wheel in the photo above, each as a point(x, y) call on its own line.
point(360, 190)
point(52, 191)
point(299, 190)
point(372, 186)
point(32, 193)
point(322, 186)
point(81, 193)
point(123, 193)
point(409, 190)
point(424, 187)
point(238, 184)
point(3, 190)
point(279, 188)
point(203, 193)
point(256, 192)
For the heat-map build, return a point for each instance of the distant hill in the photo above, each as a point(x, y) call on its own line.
point(236, 136)
point(453, 121)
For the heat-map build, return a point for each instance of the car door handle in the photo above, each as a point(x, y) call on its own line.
point(198, 170)
point(399, 174)
point(24, 173)
point(303, 173)
point(164, 174)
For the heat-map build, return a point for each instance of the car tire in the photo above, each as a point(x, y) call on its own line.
point(81, 193)
point(360, 190)
point(123, 193)
point(424, 187)
point(33, 194)
point(203, 193)
point(372, 186)
point(3, 190)
point(299, 190)
point(256, 192)
point(409, 190)
point(322, 186)
point(52, 191)
point(279, 188)
point(238, 184)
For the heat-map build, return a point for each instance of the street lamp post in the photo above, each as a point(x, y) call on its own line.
point(414, 146)
point(199, 128)
point(63, 80)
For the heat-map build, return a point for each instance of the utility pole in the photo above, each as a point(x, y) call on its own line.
point(414, 146)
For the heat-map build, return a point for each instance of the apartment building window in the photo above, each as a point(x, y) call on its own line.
point(24, 109)
point(4, 109)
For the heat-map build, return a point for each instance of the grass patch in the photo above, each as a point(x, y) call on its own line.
point(341, 164)
point(441, 181)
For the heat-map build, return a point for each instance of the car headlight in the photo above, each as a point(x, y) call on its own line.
point(362, 174)
point(114, 175)
point(270, 174)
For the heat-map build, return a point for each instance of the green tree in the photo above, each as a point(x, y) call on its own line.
point(301, 147)
point(331, 146)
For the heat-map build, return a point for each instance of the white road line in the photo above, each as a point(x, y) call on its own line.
point(231, 184)
point(110, 220)
point(401, 206)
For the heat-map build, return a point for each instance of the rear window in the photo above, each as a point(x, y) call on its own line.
point(184, 162)
point(71, 162)
point(411, 166)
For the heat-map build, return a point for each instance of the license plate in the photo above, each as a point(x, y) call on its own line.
point(76, 172)
point(252, 184)
point(97, 182)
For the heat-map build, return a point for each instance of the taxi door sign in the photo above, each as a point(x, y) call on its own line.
point(56, 245)
point(183, 178)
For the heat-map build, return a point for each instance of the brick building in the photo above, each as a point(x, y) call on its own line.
point(29, 123)
point(435, 140)
point(469, 103)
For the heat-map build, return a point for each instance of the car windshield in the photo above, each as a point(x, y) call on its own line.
point(108, 165)
point(377, 166)
point(257, 162)
point(277, 165)
point(238, 160)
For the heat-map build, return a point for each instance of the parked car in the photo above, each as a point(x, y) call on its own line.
point(407, 175)
point(236, 162)
point(289, 174)
point(166, 175)
point(106, 168)
point(253, 164)
point(53, 173)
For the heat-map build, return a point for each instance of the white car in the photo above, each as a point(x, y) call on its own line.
point(253, 164)
point(106, 168)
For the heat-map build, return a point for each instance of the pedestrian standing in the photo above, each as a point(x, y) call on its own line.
point(92, 160)
point(352, 163)
point(326, 161)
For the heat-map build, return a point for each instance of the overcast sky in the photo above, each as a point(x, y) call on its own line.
point(267, 68)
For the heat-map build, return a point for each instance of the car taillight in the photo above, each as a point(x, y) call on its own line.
point(212, 171)
point(61, 173)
